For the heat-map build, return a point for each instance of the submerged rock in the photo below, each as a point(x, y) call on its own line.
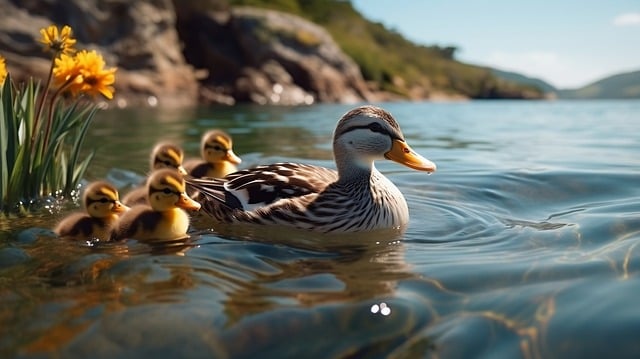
point(10, 256)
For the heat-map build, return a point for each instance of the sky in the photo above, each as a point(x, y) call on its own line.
point(567, 43)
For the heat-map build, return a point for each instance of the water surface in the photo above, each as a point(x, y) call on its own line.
point(524, 244)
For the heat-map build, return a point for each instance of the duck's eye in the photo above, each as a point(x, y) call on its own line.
point(218, 148)
point(376, 127)
point(104, 200)
point(167, 191)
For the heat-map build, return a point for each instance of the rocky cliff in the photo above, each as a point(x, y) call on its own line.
point(189, 52)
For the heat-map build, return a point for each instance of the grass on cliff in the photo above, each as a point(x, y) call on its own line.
point(388, 59)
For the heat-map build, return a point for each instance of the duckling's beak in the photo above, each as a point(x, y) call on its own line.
point(231, 157)
point(185, 202)
point(182, 170)
point(118, 207)
point(401, 152)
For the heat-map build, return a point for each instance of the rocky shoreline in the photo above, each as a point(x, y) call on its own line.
point(185, 53)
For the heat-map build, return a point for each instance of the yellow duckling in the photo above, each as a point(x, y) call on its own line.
point(218, 159)
point(163, 155)
point(163, 218)
point(102, 207)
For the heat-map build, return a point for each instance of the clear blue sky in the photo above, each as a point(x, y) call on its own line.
point(568, 43)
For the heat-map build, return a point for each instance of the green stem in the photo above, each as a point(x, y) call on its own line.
point(43, 99)
point(54, 99)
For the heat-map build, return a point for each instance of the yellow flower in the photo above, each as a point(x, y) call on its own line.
point(3, 71)
point(57, 42)
point(65, 70)
point(84, 73)
point(96, 79)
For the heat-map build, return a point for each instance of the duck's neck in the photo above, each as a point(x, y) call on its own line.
point(351, 170)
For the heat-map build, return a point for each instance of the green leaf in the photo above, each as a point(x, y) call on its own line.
point(33, 166)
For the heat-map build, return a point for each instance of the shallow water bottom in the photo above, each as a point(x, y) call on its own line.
point(518, 247)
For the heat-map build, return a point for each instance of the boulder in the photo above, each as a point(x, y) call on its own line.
point(189, 52)
point(139, 38)
point(268, 57)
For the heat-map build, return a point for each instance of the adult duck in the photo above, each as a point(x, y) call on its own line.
point(356, 197)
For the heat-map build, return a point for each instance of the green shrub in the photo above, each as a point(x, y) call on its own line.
point(41, 136)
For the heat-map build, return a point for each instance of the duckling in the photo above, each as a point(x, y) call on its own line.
point(163, 218)
point(102, 206)
point(163, 155)
point(218, 159)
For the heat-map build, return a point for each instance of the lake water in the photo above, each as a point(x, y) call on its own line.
point(524, 244)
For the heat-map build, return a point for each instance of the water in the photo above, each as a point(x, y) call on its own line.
point(524, 244)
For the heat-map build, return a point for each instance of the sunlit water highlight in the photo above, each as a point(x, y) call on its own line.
point(524, 243)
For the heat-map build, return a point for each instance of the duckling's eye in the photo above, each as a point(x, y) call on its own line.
point(102, 200)
point(164, 191)
point(166, 162)
point(215, 147)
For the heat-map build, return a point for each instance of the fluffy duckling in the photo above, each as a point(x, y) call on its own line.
point(164, 155)
point(218, 159)
point(163, 218)
point(102, 207)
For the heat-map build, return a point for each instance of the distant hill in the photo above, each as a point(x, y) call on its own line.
point(522, 79)
point(622, 86)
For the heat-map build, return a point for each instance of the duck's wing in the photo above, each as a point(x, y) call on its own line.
point(263, 185)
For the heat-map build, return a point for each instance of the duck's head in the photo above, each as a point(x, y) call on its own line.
point(216, 146)
point(167, 155)
point(166, 190)
point(101, 200)
point(369, 133)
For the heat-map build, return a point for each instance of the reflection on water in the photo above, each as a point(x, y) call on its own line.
point(95, 296)
point(524, 244)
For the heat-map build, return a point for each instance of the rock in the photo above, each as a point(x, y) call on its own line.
point(268, 57)
point(188, 52)
point(137, 37)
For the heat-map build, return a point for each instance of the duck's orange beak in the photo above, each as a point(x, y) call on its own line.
point(185, 202)
point(401, 152)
